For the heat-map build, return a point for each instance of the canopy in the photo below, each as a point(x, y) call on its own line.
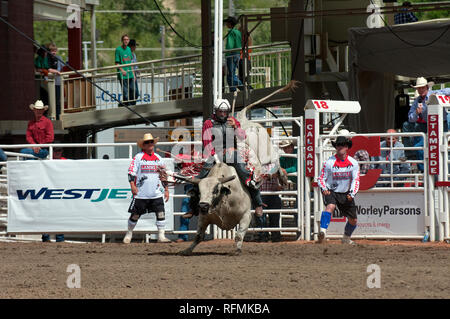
point(377, 55)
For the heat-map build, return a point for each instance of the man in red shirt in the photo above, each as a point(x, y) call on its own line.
point(39, 131)
point(219, 135)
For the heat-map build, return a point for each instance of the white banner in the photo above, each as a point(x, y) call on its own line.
point(74, 196)
point(390, 213)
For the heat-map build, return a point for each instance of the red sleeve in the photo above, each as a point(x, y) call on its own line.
point(30, 139)
point(240, 133)
point(49, 133)
point(207, 137)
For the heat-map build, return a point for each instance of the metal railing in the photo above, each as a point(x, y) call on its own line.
point(296, 195)
point(414, 180)
point(161, 80)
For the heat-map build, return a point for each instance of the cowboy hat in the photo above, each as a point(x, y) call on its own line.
point(39, 105)
point(342, 141)
point(147, 137)
point(231, 20)
point(421, 81)
point(286, 143)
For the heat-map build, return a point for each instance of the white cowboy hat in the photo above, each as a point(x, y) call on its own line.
point(420, 82)
point(345, 132)
point(147, 137)
point(286, 143)
point(39, 105)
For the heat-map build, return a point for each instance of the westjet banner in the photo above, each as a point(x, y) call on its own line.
point(74, 196)
point(390, 213)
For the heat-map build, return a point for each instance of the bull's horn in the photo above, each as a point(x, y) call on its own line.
point(189, 180)
point(224, 180)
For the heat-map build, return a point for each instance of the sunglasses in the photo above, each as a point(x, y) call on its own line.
point(149, 142)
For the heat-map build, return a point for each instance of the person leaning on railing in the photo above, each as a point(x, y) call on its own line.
point(417, 116)
point(39, 131)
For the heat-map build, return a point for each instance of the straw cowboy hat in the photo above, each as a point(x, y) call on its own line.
point(286, 143)
point(147, 137)
point(422, 82)
point(39, 105)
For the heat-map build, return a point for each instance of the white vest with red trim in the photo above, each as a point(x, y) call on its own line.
point(340, 176)
point(145, 168)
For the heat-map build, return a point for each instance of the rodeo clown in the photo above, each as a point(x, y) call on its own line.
point(339, 183)
point(147, 188)
point(219, 135)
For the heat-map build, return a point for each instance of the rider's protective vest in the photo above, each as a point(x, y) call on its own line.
point(226, 132)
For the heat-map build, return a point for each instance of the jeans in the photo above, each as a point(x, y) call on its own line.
point(273, 202)
point(59, 238)
point(235, 160)
point(411, 141)
point(184, 222)
point(136, 90)
point(232, 79)
point(3, 156)
point(43, 153)
point(58, 101)
point(128, 91)
point(241, 72)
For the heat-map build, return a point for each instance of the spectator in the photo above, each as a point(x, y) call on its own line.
point(289, 164)
point(406, 16)
point(232, 58)
point(132, 46)
point(123, 56)
point(39, 131)
point(241, 59)
point(41, 63)
point(417, 115)
point(395, 155)
point(57, 155)
point(271, 183)
point(54, 62)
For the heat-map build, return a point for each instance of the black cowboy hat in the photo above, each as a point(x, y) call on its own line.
point(342, 141)
point(132, 43)
point(231, 20)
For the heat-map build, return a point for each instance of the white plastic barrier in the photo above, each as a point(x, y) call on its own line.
point(438, 153)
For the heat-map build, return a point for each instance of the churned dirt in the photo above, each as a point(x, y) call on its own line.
point(263, 270)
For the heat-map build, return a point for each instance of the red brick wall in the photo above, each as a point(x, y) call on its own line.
point(17, 88)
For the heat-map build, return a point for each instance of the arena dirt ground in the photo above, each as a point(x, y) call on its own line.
point(263, 270)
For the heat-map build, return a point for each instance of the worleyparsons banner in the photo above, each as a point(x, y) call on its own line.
point(74, 196)
point(390, 213)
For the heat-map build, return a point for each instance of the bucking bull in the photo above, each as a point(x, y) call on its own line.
point(224, 200)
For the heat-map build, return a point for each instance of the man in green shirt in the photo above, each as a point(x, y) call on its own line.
point(232, 58)
point(123, 56)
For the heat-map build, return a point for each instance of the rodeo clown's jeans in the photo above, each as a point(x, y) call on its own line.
point(232, 159)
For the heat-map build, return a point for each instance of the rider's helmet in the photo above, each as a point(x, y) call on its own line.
point(222, 105)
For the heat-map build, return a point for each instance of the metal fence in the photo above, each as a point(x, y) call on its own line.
point(295, 195)
point(161, 80)
point(414, 180)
